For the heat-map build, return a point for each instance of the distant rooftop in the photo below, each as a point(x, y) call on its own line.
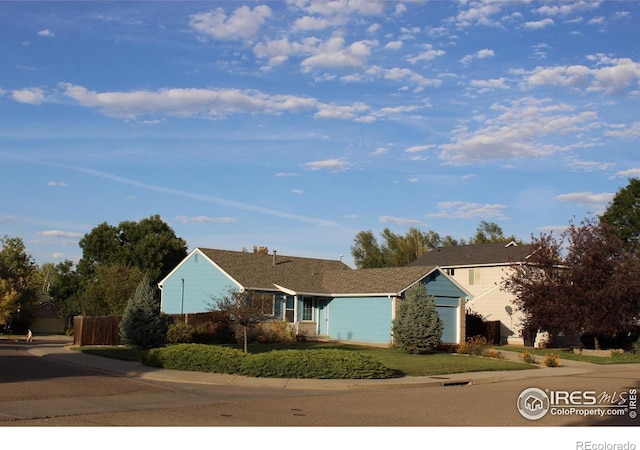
point(475, 254)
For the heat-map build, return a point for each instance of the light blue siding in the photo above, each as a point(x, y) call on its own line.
point(441, 286)
point(362, 319)
point(203, 283)
point(449, 316)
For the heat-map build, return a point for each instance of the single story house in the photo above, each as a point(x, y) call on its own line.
point(319, 298)
point(481, 269)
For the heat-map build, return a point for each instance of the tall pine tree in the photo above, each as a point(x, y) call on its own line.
point(417, 327)
point(143, 325)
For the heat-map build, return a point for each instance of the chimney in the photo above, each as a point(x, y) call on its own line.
point(274, 257)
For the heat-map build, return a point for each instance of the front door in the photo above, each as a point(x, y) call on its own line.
point(323, 316)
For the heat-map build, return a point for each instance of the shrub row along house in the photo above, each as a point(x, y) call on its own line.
point(320, 298)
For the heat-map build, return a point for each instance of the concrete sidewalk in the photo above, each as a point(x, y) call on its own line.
point(58, 348)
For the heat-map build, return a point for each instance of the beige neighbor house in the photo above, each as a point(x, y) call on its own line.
point(480, 269)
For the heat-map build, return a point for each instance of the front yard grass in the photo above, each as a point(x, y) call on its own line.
point(568, 354)
point(400, 362)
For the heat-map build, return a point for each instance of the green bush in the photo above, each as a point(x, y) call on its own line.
point(181, 333)
point(196, 358)
point(319, 363)
point(417, 328)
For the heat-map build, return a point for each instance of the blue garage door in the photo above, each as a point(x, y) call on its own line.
point(360, 319)
point(449, 315)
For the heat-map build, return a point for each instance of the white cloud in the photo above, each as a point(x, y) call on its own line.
point(480, 54)
point(46, 33)
point(613, 76)
point(399, 220)
point(479, 13)
point(297, 191)
point(244, 23)
point(57, 184)
point(349, 112)
point(482, 86)
point(539, 24)
point(468, 210)
point(187, 102)
point(332, 165)
point(429, 54)
point(518, 131)
point(401, 74)
point(394, 45)
point(630, 173)
point(567, 8)
point(625, 131)
point(59, 233)
point(340, 8)
point(204, 219)
point(32, 96)
point(418, 148)
point(585, 198)
point(334, 53)
point(309, 23)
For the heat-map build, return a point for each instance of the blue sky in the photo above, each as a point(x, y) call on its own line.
point(296, 124)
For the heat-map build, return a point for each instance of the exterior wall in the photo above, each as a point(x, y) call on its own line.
point(450, 306)
point(203, 282)
point(360, 319)
point(490, 301)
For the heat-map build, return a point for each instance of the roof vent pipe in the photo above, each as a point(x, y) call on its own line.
point(274, 257)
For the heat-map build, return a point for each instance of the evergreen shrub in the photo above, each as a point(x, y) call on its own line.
point(417, 327)
point(143, 325)
point(196, 358)
point(181, 333)
point(318, 363)
point(314, 363)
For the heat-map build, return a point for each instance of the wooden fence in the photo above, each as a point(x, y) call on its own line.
point(101, 330)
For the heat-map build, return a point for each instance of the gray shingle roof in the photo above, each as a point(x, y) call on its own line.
point(476, 254)
point(257, 271)
point(390, 280)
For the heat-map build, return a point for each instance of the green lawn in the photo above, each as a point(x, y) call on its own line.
point(397, 360)
point(563, 353)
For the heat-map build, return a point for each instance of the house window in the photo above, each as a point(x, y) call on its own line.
point(450, 272)
point(474, 276)
point(307, 308)
point(264, 302)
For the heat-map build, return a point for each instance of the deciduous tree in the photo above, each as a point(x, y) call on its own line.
point(244, 308)
point(150, 245)
point(623, 214)
point(594, 289)
point(20, 289)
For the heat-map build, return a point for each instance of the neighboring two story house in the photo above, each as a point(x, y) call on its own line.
point(322, 298)
point(480, 269)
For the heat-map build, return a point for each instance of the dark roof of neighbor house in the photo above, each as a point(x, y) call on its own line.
point(475, 254)
point(310, 275)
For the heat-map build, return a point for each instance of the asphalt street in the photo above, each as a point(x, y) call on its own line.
point(45, 384)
